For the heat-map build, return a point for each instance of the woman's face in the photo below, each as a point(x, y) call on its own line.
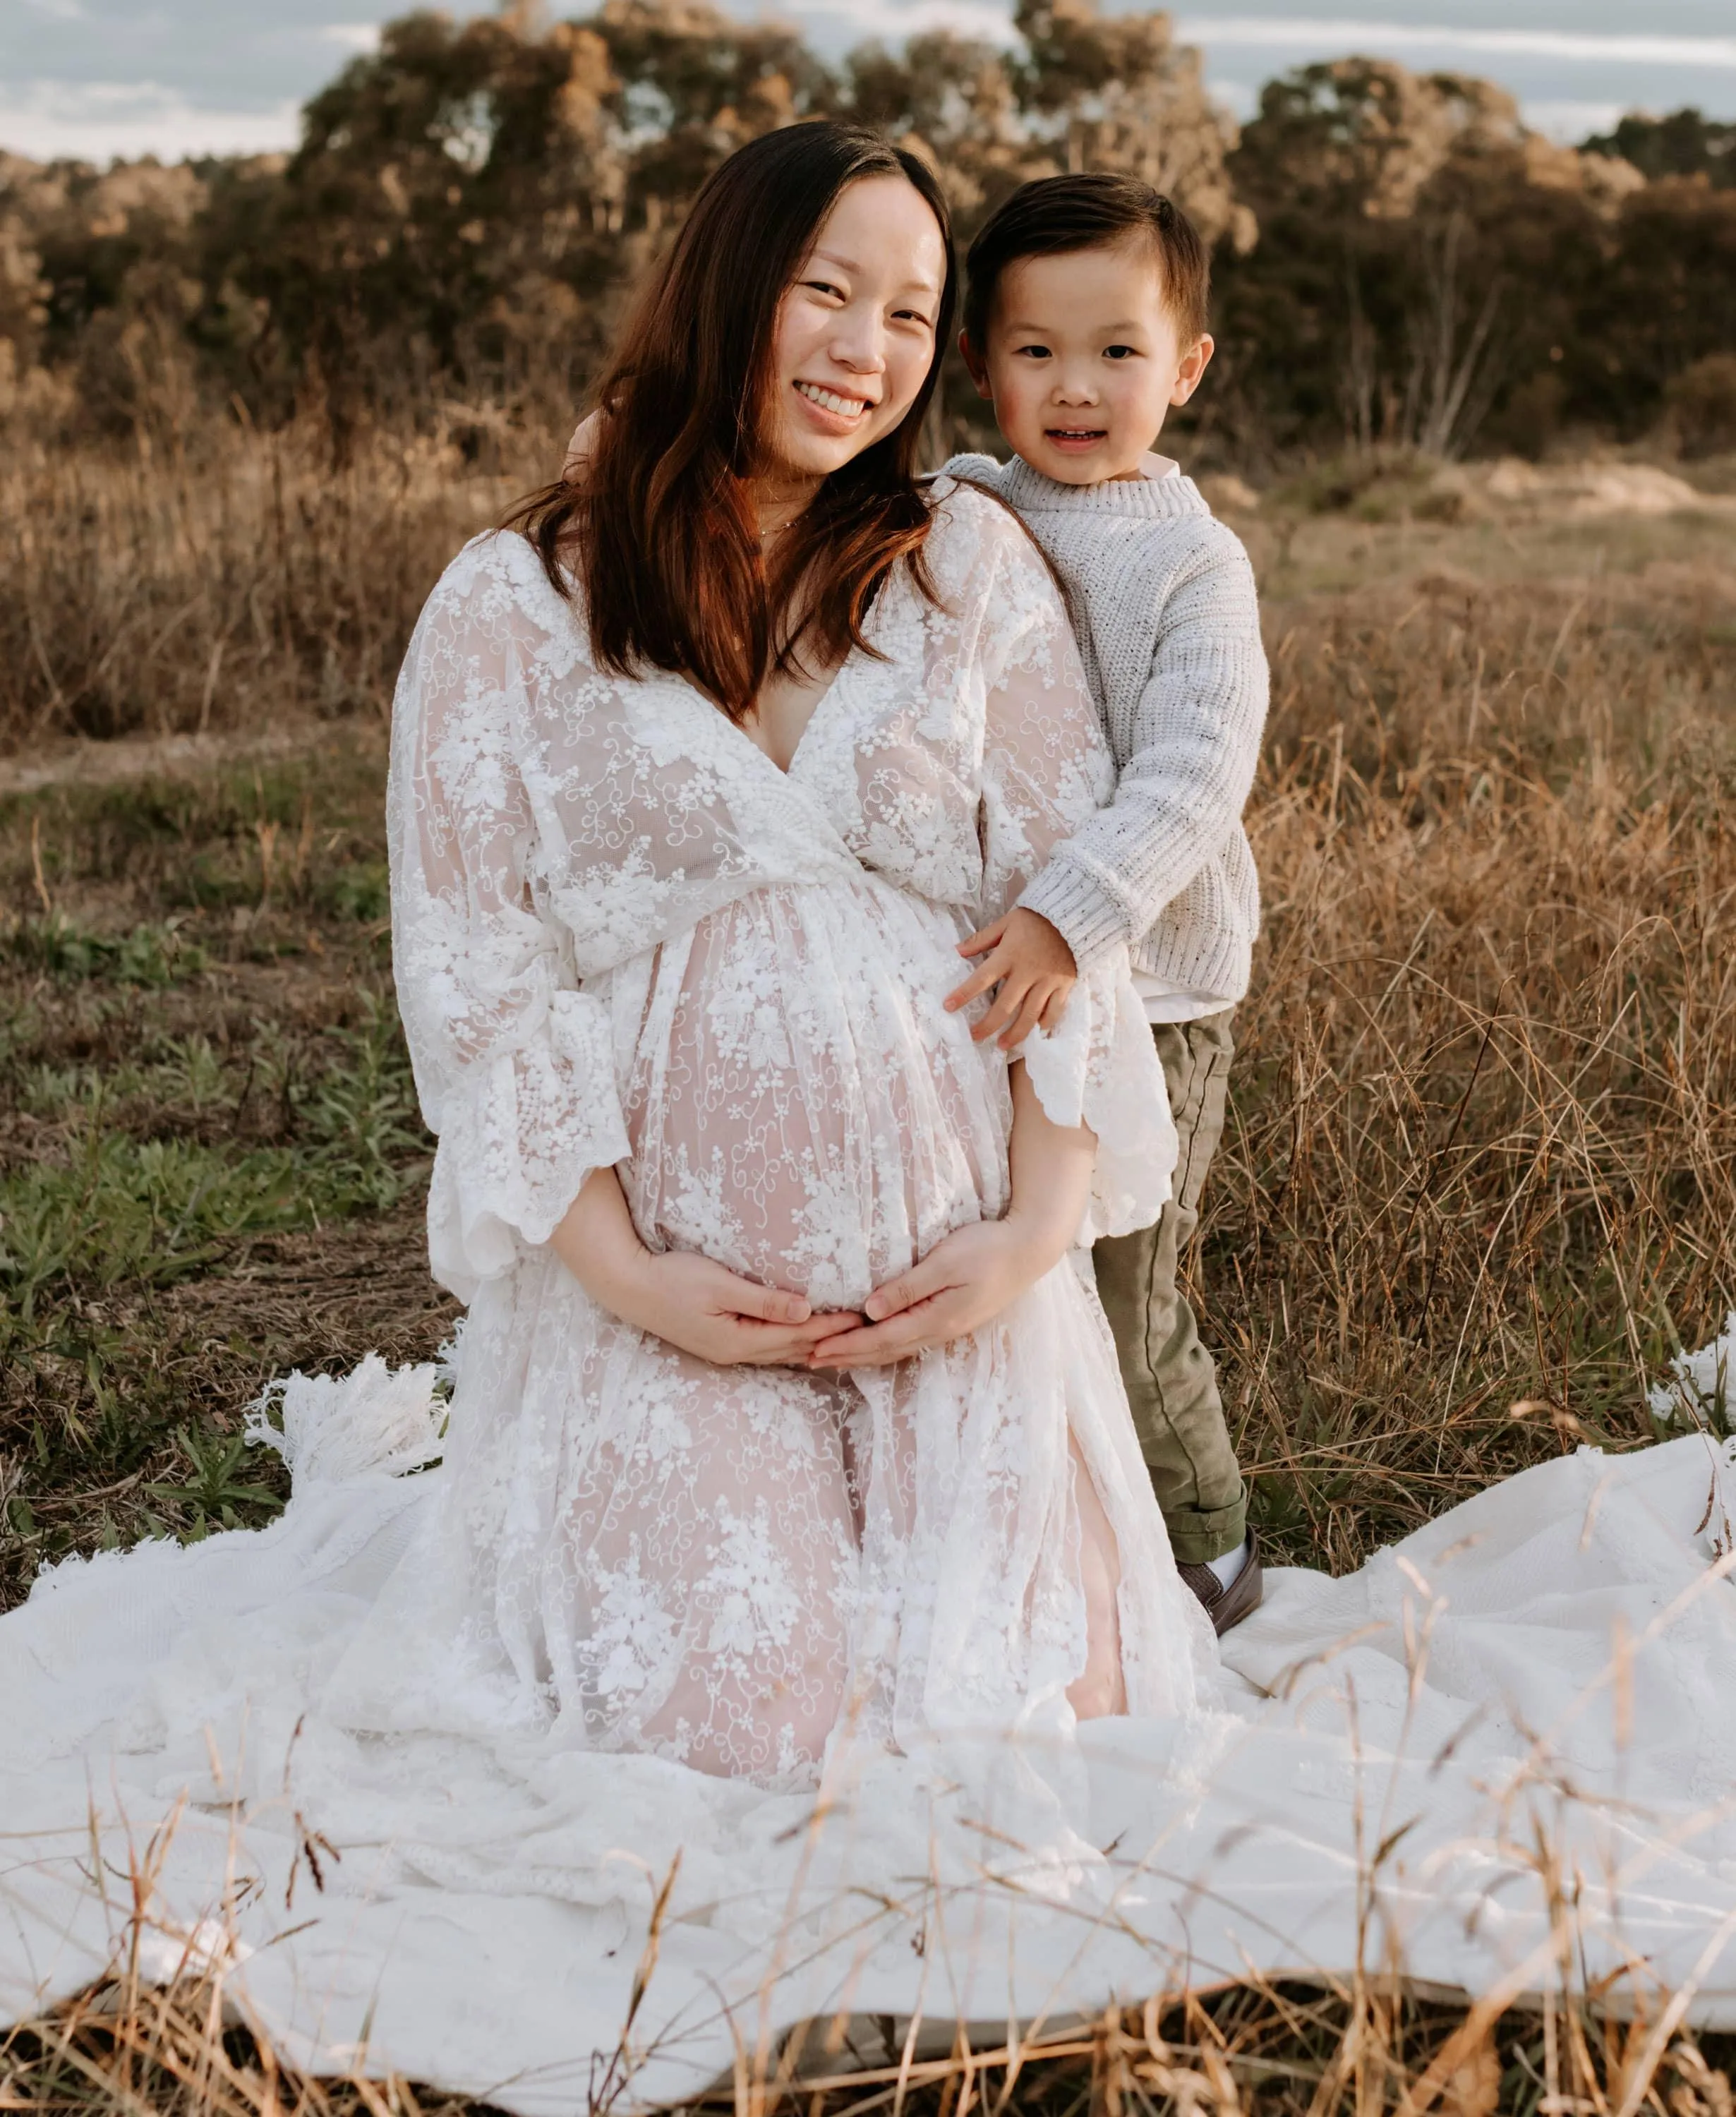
point(855, 330)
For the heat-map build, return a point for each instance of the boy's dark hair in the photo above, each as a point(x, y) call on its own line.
point(1055, 214)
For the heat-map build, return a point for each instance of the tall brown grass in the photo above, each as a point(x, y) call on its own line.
point(231, 580)
point(1480, 1179)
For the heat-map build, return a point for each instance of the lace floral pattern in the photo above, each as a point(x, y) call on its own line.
point(625, 938)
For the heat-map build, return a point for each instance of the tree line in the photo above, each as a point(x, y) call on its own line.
point(1399, 262)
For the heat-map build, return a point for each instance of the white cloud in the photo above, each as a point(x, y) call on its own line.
point(98, 121)
point(351, 36)
point(1569, 122)
point(891, 20)
point(1347, 33)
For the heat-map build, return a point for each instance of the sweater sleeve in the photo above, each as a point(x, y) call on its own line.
point(970, 469)
point(1045, 766)
point(1195, 748)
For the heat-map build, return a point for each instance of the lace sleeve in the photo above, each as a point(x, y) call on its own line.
point(1046, 767)
point(514, 1064)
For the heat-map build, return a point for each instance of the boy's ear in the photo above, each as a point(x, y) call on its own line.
point(977, 365)
point(1193, 365)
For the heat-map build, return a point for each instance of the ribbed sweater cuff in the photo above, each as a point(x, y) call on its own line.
point(1082, 911)
point(986, 469)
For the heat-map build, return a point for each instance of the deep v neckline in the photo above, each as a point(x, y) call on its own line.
point(736, 728)
point(815, 712)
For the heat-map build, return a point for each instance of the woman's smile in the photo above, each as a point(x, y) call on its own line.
point(855, 330)
point(838, 412)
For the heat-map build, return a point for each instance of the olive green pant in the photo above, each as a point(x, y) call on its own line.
point(1170, 1380)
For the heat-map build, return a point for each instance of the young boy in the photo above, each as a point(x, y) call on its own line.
point(1084, 321)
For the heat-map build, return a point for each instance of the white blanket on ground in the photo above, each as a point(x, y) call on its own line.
point(1501, 1756)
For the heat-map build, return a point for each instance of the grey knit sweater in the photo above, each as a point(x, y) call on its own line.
point(1168, 626)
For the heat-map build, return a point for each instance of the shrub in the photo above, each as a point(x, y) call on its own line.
point(1702, 405)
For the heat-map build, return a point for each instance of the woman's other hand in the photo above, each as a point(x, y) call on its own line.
point(966, 1280)
point(703, 1308)
point(1034, 967)
point(970, 1276)
point(688, 1301)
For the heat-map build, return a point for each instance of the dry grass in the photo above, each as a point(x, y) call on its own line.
point(232, 582)
point(1368, 2047)
point(1479, 1182)
point(127, 2045)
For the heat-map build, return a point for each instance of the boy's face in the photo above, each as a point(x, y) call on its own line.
point(1084, 360)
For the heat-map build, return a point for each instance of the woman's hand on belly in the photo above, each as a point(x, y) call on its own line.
point(970, 1276)
point(687, 1300)
point(965, 1281)
point(705, 1309)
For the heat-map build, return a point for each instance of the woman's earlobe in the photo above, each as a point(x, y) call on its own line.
point(978, 369)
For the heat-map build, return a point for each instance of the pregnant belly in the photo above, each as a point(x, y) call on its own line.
point(800, 1106)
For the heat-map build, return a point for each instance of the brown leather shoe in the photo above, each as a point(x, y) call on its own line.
point(1228, 1606)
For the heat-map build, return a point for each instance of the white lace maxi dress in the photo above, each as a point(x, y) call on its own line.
point(623, 936)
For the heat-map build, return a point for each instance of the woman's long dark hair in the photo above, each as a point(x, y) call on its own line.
point(659, 528)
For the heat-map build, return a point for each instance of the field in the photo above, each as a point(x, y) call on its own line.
point(1480, 1177)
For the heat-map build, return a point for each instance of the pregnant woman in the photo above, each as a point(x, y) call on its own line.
point(782, 1409)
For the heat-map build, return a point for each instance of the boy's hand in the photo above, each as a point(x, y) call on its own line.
point(1034, 968)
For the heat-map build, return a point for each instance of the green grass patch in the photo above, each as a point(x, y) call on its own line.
point(121, 1208)
point(149, 1211)
point(205, 1107)
point(152, 954)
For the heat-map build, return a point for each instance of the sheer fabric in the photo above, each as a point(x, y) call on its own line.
point(624, 937)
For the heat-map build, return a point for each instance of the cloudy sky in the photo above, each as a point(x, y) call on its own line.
point(97, 78)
